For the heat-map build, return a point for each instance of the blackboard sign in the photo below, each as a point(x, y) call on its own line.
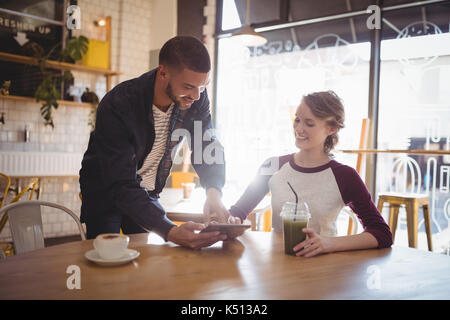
point(23, 23)
point(16, 32)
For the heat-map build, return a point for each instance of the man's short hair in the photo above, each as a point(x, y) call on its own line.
point(185, 52)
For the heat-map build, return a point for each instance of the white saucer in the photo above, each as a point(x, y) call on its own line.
point(129, 255)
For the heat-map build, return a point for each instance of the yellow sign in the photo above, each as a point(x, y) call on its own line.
point(97, 54)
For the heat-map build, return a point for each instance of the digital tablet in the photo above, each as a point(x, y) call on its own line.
point(231, 230)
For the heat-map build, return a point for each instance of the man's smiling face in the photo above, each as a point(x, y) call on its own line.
point(184, 87)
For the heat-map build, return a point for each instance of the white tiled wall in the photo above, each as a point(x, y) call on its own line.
point(131, 33)
point(71, 132)
point(130, 37)
point(70, 135)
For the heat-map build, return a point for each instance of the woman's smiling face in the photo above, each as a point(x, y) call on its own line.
point(310, 131)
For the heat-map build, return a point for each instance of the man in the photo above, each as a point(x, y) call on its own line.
point(129, 154)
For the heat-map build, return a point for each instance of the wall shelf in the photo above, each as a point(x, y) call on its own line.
point(56, 64)
point(9, 57)
point(61, 102)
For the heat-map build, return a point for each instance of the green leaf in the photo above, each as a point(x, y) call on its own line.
point(47, 91)
point(93, 117)
point(76, 47)
point(49, 94)
point(67, 75)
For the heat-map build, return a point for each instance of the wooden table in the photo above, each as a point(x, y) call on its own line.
point(179, 209)
point(416, 151)
point(252, 267)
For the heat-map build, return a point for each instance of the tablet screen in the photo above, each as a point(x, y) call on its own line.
point(232, 230)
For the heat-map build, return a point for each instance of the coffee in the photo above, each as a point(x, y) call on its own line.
point(109, 237)
point(111, 246)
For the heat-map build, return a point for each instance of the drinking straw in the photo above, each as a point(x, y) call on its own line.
point(296, 199)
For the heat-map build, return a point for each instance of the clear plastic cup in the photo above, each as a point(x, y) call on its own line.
point(293, 223)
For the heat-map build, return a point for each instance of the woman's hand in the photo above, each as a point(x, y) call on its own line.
point(314, 244)
point(234, 220)
point(214, 210)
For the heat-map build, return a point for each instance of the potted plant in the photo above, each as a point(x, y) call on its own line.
point(91, 97)
point(47, 91)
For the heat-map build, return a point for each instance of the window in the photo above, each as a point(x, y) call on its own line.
point(258, 90)
point(414, 113)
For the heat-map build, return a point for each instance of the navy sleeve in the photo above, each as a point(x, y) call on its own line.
point(119, 168)
point(355, 195)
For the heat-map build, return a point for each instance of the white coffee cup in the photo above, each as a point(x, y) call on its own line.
point(187, 189)
point(111, 246)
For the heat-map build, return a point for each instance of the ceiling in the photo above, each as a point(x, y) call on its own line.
point(272, 12)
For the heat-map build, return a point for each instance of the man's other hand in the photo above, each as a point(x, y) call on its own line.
point(184, 235)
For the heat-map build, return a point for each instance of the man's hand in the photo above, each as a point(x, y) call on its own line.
point(184, 235)
point(214, 210)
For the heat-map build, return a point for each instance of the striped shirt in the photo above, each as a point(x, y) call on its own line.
point(150, 166)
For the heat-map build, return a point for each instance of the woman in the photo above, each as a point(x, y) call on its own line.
point(324, 184)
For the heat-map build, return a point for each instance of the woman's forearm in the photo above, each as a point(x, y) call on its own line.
point(364, 240)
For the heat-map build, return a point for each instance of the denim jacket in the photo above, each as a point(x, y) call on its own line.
point(123, 137)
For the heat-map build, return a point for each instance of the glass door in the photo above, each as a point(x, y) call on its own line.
point(414, 113)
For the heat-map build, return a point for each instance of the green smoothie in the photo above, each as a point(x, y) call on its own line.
point(293, 234)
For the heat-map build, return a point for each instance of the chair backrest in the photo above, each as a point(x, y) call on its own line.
point(2, 254)
point(407, 175)
point(352, 227)
point(5, 191)
point(31, 187)
point(25, 222)
point(363, 142)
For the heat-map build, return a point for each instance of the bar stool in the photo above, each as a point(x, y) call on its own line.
point(412, 202)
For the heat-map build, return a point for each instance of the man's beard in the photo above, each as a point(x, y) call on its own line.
point(170, 94)
point(178, 102)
